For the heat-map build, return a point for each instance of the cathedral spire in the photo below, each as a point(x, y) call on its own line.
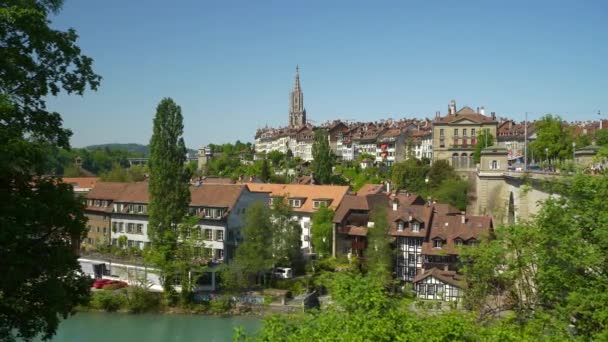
point(297, 113)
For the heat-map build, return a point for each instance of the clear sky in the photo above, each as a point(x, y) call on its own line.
point(230, 64)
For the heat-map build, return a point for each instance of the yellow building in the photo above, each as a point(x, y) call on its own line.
point(455, 135)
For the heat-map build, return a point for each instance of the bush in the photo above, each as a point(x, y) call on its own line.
point(107, 300)
point(140, 300)
point(220, 305)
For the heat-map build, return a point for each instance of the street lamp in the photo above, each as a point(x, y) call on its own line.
point(573, 149)
point(426, 181)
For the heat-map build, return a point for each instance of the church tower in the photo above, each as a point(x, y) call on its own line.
point(297, 113)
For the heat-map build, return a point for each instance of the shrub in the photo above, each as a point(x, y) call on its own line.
point(141, 300)
point(107, 300)
point(220, 304)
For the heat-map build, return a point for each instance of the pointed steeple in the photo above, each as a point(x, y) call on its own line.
point(296, 85)
point(297, 113)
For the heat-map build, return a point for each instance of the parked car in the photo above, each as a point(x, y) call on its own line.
point(99, 283)
point(115, 284)
point(283, 272)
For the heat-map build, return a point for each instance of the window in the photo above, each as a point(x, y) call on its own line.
point(464, 132)
point(400, 226)
point(441, 132)
point(139, 208)
point(219, 235)
point(104, 231)
point(473, 243)
point(219, 254)
point(121, 227)
point(139, 229)
point(295, 203)
point(430, 289)
point(455, 132)
point(208, 234)
point(130, 243)
point(214, 213)
point(97, 229)
point(208, 252)
point(318, 204)
point(472, 132)
point(437, 243)
point(494, 165)
point(458, 242)
point(130, 227)
point(415, 227)
point(411, 258)
point(114, 242)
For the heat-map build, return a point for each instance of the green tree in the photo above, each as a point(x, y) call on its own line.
point(379, 253)
point(253, 255)
point(484, 139)
point(601, 137)
point(410, 175)
point(453, 191)
point(440, 171)
point(323, 158)
point(321, 231)
point(276, 157)
point(169, 189)
point(265, 171)
point(286, 234)
point(41, 221)
point(553, 139)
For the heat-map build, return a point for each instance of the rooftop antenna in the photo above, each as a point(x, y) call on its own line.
point(526, 142)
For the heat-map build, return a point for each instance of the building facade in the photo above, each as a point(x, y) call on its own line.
point(455, 135)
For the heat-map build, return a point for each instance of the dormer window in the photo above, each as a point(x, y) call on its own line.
point(437, 243)
point(415, 227)
point(473, 242)
point(458, 242)
point(295, 203)
point(400, 226)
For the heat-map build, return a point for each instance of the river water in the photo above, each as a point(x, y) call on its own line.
point(115, 327)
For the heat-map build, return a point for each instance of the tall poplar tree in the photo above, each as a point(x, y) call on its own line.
point(169, 188)
point(323, 158)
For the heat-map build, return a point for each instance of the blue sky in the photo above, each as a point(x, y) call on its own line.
point(230, 64)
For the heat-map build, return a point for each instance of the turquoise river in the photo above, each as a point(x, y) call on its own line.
point(105, 327)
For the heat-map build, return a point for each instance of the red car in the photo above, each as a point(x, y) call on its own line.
point(114, 284)
point(99, 283)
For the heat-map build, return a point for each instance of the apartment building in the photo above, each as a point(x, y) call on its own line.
point(98, 209)
point(455, 135)
point(305, 200)
point(220, 208)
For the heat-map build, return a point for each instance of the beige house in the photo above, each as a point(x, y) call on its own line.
point(455, 135)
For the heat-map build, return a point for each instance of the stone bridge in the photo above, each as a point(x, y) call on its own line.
point(509, 196)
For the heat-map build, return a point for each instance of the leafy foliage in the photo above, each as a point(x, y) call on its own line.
point(323, 158)
point(321, 231)
point(484, 139)
point(410, 175)
point(552, 138)
point(41, 221)
point(169, 189)
point(286, 234)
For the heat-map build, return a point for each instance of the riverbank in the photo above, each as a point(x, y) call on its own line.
point(134, 300)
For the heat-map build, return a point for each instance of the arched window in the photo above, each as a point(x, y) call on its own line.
point(494, 165)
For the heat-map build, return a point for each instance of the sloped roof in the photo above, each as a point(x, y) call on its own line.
point(106, 190)
point(216, 195)
point(447, 277)
point(465, 113)
point(370, 189)
point(81, 182)
point(450, 227)
point(307, 192)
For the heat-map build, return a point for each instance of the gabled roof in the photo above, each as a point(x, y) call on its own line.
point(308, 192)
point(216, 195)
point(465, 113)
point(447, 277)
point(450, 227)
point(106, 190)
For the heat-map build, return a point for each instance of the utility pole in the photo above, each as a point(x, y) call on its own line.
point(526, 142)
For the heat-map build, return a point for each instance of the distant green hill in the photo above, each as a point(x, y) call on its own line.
point(137, 148)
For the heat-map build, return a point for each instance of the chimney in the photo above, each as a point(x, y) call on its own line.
point(482, 111)
point(463, 217)
point(445, 267)
point(388, 186)
point(437, 115)
point(395, 204)
point(493, 115)
point(477, 110)
point(452, 108)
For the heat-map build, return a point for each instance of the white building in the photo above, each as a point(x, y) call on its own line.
point(305, 201)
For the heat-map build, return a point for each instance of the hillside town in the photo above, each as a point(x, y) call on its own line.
point(444, 180)
point(426, 235)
